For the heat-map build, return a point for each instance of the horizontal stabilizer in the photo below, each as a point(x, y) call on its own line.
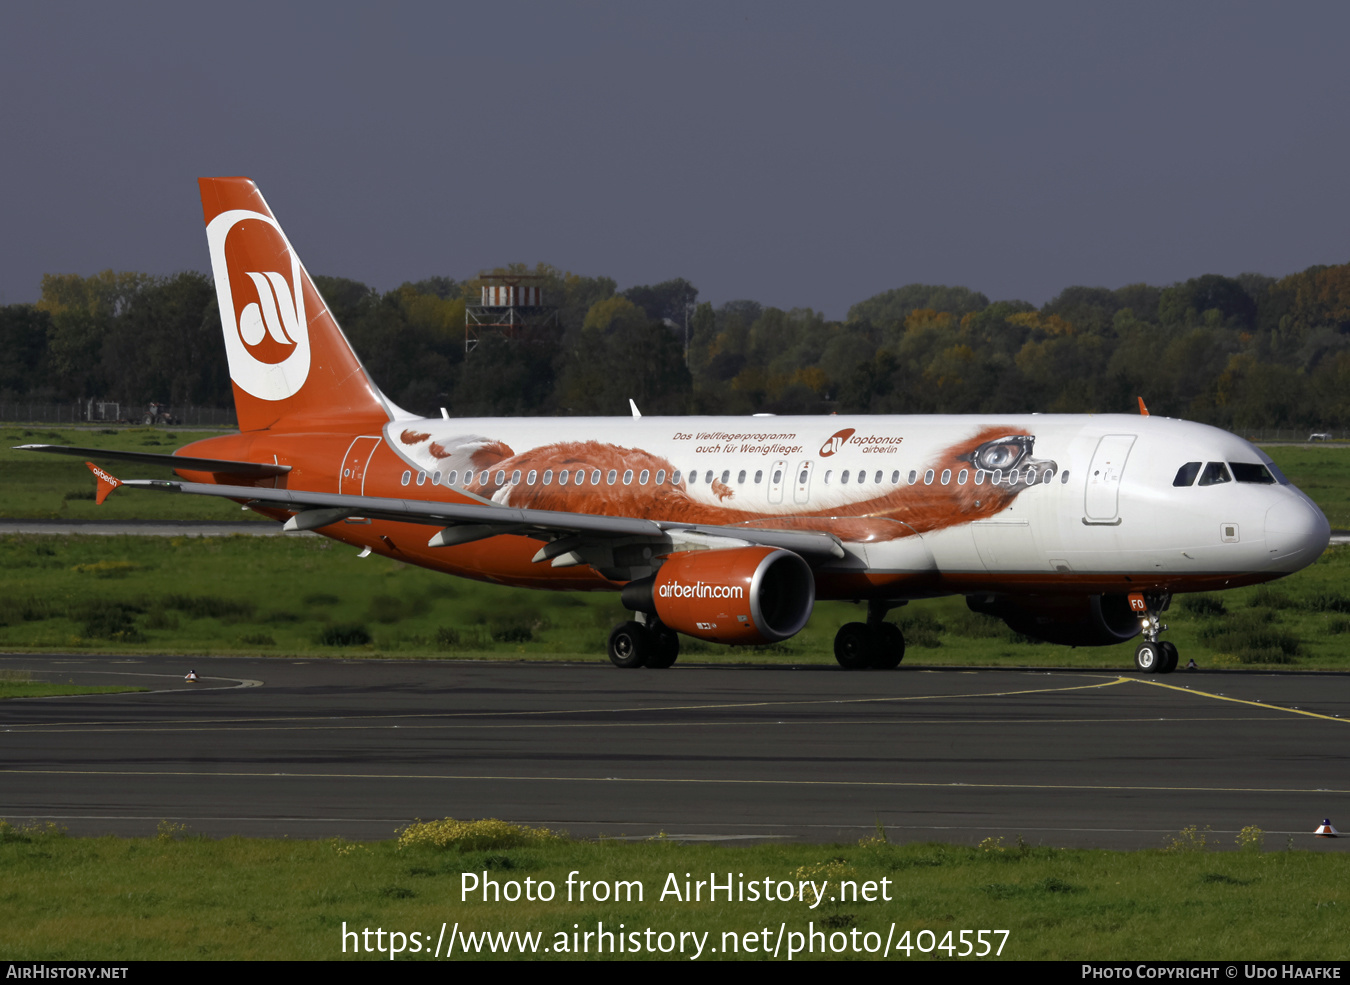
point(184, 462)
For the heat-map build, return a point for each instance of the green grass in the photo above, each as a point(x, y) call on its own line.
point(20, 684)
point(42, 689)
point(39, 486)
point(1321, 471)
point(178, 896)
point(307, 596)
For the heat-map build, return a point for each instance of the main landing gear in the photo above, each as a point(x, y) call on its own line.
point(633, 644)
point(1153, 656)
point(873, 644)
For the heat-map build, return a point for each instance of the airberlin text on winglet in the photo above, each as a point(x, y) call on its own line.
point(106, 483)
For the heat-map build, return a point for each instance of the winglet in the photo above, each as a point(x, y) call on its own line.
point(633, 404)
point(106, 483)
point(1142, 409)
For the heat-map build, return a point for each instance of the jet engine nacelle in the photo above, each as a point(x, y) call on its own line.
point(1072, 620)
point(742, 595)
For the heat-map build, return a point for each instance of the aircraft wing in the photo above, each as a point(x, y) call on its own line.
point(217, 465)
point(464, 523)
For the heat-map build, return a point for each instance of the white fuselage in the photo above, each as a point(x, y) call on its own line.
point(975, 501)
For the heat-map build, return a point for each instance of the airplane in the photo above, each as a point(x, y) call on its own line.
point(1073, 529)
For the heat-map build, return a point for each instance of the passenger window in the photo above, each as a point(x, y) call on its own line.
point(1014, 476)
point(843, 477)
point(913, 477)
point(828, 473)
point(1215, 473)
point(1186, 474)
point(515, 477)
point(895, 477)
point(452, 477)
point(660, 476)
point(962, 476)
point(501, 477)
point(628, 477)
point(436, 479)
point(674, 477)
point(563, 476)
point(740, 478)
point(759, 476)
point(548, 476)
point(693, 476)
point(778, 477)
point(946, 476)
point(532, 477)
point(1064, 477)
point(1031, 477)
point(421, 478)
point(877, 478)
point(997, 477)
point(862, 477)
point(595, 477)
point(726, 476)
point(1243, 472)
point(979, 477)
point(708, 476)
point(407, 477)
point(646, 474)
point(613, 474)
point(928, 477)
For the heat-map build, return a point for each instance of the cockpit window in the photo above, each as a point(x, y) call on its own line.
point(1274, 470)
point(1186, 474)
point(1215, 472)
point(1244, 472)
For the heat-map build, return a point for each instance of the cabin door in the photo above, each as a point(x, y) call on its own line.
point(352, 478)
point(1101, 501)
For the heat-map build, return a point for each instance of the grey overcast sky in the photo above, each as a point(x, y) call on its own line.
point(803, 155)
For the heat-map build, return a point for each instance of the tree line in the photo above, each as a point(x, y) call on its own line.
point(1240, 352)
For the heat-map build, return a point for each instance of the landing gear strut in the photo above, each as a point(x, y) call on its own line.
point(1153, 656)
point(635, 644)
point(875, 643)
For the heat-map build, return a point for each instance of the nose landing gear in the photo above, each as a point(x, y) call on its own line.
point(1153, 656)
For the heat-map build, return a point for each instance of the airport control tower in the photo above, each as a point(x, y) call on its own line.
point(512, 305)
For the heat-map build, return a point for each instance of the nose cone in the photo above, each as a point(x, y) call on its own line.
point(1296, 534)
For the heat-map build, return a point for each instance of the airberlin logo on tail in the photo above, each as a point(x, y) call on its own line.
point(699, 590)
point(835, 441)
point(274, 314)
point(262, 308)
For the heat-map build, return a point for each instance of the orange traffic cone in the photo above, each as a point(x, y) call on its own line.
point(1325, 829)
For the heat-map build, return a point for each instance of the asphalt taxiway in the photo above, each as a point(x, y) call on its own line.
point(323, 748)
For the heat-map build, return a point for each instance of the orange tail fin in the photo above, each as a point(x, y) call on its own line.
point(291, 367)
